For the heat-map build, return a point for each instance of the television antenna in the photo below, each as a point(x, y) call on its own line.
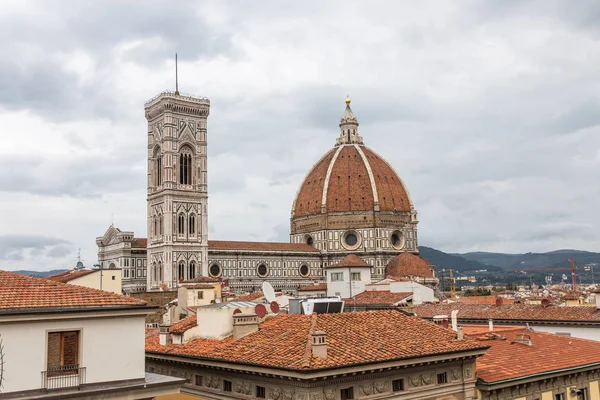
point(269, 292)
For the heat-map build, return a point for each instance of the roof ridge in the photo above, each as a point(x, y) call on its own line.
point(308, 349)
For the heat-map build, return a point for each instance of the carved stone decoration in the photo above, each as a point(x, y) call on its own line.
point(242, 387)
point(316, 396)
point(366, 389)
point(455, 372)
point(212, 382)
point(329, 394)
point(301, 396)
point(468, 372)
point(287, 394)
point(415, 381)
point(275, 394)
point(381, 386)
point(427, 379)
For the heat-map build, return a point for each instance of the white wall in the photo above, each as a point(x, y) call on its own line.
point(214, 323)
point(592, 333)
point(111, 280)
point(345, 288)
point(110, 350)
point(421, 293)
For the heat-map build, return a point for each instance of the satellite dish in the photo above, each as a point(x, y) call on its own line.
point(499, 301)
point(260, 310)
point(274, 307)
point(237, 311)
point(217, 301)
point(268, 291)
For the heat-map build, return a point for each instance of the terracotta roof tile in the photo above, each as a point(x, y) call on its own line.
point(408, 264)
point(313, 288)
point(139, 242)
point(27, 292)
point(350, 261)
point(482, 300)
point(509, 360)
point(308, 200)
point(69, 275)
point(353, 338)
point(259, 246)
point(510, 312)
point(381, 297)
point(198, 286)
point(250, 297)
point(184, 324)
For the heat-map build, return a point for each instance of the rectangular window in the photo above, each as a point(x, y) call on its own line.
point(582, 395)
point(559, 396)
point(198, 380)
point(398, 385)
point(337, 276)
point(355, 276)
point(442, 378)
point(260, 392)
point(347, 394)
point(227, 386)
point(200, 294)
point(63, 353)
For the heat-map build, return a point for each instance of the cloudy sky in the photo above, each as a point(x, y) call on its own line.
point(490, 111)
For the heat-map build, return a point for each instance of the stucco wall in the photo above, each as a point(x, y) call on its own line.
point(110, 350)
point(592, 333)
point(111, 280)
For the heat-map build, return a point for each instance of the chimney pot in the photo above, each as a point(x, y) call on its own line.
point(523, 339)
point(597, 298)
point(319, 344)
point(459, 332)
point(164, 336)
point(491, 324)
point(244, 324)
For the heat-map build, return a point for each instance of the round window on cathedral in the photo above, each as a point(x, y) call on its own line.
point(304, 270)
point(215, 270)
point(351, 240)
point(262, 270)
point(397, 240)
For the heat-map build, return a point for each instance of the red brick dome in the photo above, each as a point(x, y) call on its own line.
point(409, 265)
point(351, 177)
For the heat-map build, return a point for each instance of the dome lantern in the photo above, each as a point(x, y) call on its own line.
point(348, 127)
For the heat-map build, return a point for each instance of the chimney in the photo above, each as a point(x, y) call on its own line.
point(597, 297)
point(459, 332)
point(524, 339)
point(319, 344)
point(491, 324)
point(164, 337)
point(244, 324)
point(454, 315)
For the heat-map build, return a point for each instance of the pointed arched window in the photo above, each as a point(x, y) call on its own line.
point(181, 224)
point(192, 270)
point(160, 225)
point(185, 166)
point(192, 225)
point(181, 271)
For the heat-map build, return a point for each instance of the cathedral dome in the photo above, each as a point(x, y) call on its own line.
point(407, 265)
point(351, 177)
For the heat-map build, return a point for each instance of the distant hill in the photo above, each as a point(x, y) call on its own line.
point(40, 273)
point(443, 260)
point(551, 259)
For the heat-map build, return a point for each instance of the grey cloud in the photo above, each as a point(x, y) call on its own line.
point(17, 247)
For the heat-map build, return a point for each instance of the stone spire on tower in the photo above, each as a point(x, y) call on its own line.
point(349, 127)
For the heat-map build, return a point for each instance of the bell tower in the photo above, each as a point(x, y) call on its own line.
point(177, 188)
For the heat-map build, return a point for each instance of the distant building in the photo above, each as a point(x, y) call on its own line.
point(380, 354)
point(118, 249)
point(103, 279)
point(66, 341)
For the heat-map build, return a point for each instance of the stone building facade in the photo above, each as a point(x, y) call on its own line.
point(351, 202)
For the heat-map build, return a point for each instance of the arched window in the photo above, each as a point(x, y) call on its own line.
point(152, 226)
point(181, 224)
point(181, 271)
point(153, 272)
point(155, 227)
point(158, 164)
point(192, 270)
point(160, 272)
point(185, 166)
point(192, 225)
point(160, 225)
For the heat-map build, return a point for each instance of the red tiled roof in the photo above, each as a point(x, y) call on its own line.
point(198, 286)
point(250, 297)
point(482, 300)
point(350, 261)
point(27, 292)
point(516, 312)
point(353, 338)
point(259, 246)
point(379, 297)
point(313, 288)
point(184, 324)
point(509, 360)
point(408, 264)
point(139, 242)
point(69, 275)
